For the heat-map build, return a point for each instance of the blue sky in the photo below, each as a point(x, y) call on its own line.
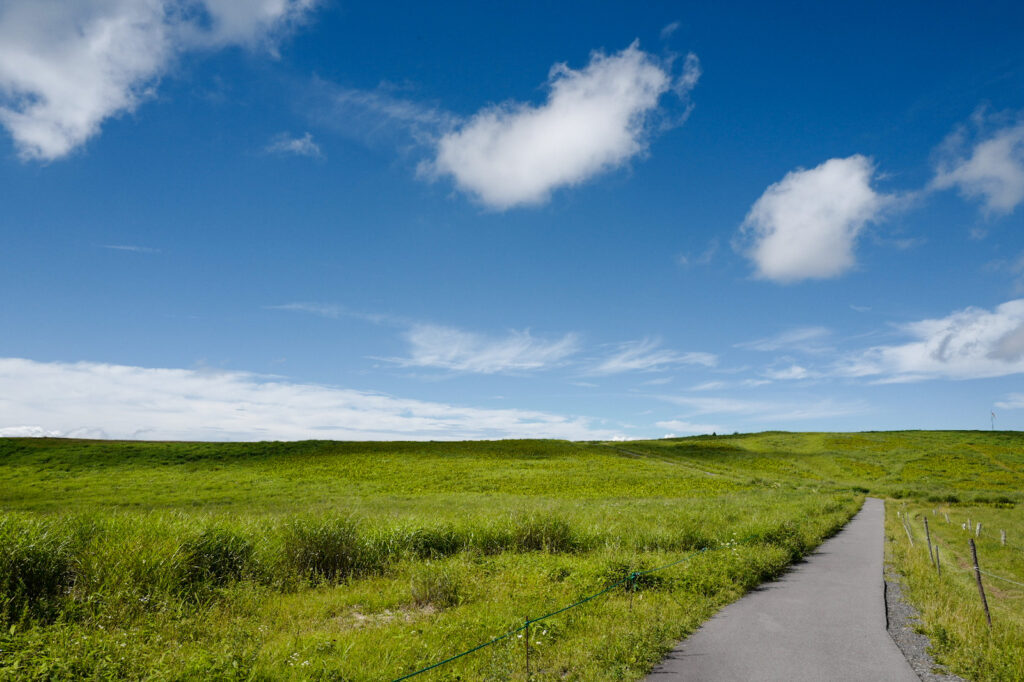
point(285, 219)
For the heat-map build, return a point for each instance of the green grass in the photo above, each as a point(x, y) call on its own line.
point(366, 561)
point(953, 616)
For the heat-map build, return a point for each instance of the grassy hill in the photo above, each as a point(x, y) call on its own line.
point(368, 561)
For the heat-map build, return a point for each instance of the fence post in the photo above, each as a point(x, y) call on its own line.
point(909, 536)
point(527, 649)
point(1002, 537)
point(946, 514)
point(938, 564)
point(977, 531)
point(928, 536)
point(981, 590)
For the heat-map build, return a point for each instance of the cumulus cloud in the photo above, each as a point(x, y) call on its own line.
point(967, 344)
point(454, 349)
point(115, 401)
point(647, 356)
point(299, 146)
point(595, 119)
point(806, 225)
point(65, 67)
point(989, 168)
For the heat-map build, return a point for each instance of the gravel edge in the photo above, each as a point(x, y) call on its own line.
point(901, 620)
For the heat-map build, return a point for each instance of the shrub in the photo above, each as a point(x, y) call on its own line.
point(327, 549)
point(216, 556)
point(435, 586)
point(544, 533)
point(37, 566)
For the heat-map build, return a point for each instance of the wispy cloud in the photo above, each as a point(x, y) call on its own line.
point(807, 339)
point(115, 401)
point(778, 411)
point(1014, 401)
point(789, 373)
point(967, 344)
point(680, 427)
point(595, 119)
point(334, 311)
point(984, 164)
point(703, 258)
point(130, 247)
point(806, 225)
point(384, 113)
point(67, 67)
point(461, 351)
point(285, 143)
point(669, 29)
point(646, 355)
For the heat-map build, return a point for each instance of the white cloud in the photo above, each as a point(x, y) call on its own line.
point(385, 112)
point(680, 426)
point(114, 401)
point(669, 29)
point(594, 119)
point(967, 344)
point(646, 356)
point(65, 67)
point(28, 432)
point(300, 146)
point(806, 225)
point(1014, 401)
point(789, 373)
point(766, 410)
point(130, 247)
point(462, 351)
point(709, 386)
point(991, 170)
point(700, 259)
point(799, 338)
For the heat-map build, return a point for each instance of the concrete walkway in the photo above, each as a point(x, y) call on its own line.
point(824, 620)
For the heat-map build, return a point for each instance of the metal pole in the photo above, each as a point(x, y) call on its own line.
point(527, 648)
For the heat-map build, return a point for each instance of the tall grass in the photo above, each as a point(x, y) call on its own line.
point(365, 561)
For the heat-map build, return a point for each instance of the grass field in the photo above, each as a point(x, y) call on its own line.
point(367, 561)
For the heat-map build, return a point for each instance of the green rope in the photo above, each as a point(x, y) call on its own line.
point(631, 578)
point(464, 653)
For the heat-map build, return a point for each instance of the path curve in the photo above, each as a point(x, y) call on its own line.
point(823, 620)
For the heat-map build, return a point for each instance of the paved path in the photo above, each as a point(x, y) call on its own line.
point(822, 621)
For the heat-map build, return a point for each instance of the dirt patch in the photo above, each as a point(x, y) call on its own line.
point(356, 620)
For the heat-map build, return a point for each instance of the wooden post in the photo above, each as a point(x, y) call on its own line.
point(946, 514)
point(981, 590)
point(909, 536)
point(977, 531)
point(928, 536)
point(1002, 537)
point(938, 564)
point(969, 525)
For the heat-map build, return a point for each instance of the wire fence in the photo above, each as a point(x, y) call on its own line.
point(973, 532)
point(630, 581)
